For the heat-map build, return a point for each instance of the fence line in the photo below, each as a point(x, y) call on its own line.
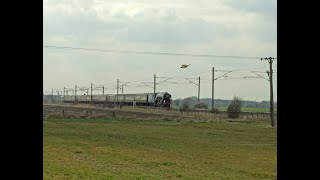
point(244, 114)
point(152, 111)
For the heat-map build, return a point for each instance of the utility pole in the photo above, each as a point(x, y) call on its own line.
point(64, 93)
point(197, 85)
point(102, 90)
point(75, 93)
point(91, 92)
point(212, 88)
point(122, 88)
point(51, 95)
point(155, 84)
point(154, 89)
point(270, 60)
point(117, 89)
point(213, 79)
point(199, 91)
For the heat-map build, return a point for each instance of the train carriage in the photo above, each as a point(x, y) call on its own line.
point(141, 99)
point(98, 98)
point(84, 98)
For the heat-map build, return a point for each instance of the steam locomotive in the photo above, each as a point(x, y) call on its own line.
point(160, 99)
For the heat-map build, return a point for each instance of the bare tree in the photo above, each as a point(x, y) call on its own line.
point(186, 104)
point(201, 106)
point(235, 107)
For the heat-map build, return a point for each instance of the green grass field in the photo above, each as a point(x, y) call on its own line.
point(131, 149)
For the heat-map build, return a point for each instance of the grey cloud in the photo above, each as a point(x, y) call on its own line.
point(83, 28)
point(170, 16)
point(264, 32)
point(191, 31)
point(265, 7)
point(168, 31)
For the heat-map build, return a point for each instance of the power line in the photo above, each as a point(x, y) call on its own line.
point(111, 82)
point(148, 52)
point(222, 77)
point(244, 77)
point(233, 70)
point(229, 78)
point(261, 71)
point(191, 74)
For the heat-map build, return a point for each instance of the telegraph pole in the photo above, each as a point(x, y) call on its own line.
point(102, 90)
point(154, 89)
point(75, 93)
point(117, 89)
point(122, 88)
point(199, 91)
point(270, 60)
point(91, 92)
point(212, 88)
point(197, 85)
point(51, 95)
point(64, 93)
point(154, 86)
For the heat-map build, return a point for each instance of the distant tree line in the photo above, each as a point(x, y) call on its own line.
point(192, 101)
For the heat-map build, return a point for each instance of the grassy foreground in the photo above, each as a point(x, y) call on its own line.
point(124, 149)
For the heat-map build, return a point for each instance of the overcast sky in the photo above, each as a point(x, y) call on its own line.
point(218, 27)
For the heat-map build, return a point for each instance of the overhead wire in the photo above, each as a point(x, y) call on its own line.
point(148, 52)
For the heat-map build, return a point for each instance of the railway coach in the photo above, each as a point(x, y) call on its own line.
point(161, 99)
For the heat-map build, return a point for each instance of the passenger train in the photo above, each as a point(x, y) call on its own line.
point(162, 99)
